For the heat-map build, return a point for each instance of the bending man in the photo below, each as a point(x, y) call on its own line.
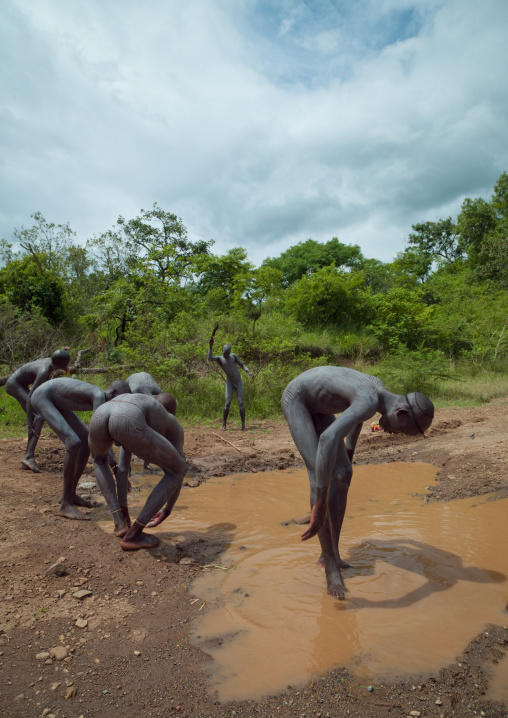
point(144, 383)
point(18, 386)
point(55, 402)
point(229, 363)
point(142, 425)
point(327, 444)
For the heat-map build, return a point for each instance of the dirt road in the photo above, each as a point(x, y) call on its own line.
point(124, 647)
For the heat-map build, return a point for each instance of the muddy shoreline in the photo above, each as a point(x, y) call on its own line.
point(133, 653)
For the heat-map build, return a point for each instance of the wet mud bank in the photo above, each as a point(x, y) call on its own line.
point(127, 643)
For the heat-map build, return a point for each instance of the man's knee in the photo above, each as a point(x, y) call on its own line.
point(73, 444)
point(342, 478)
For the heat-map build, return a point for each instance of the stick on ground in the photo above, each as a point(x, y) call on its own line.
point(227, 442)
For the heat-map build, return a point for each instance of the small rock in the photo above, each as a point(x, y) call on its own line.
point(83, 593)
point(58, 653)
point(42, 656)
point(186, 561)
point(85, 496)
point(415, 714)
point(57, 569)
point(54, 686)
point(370, 689)
point(60, 593)
point(46, 711)
point(87, 485)
point(302, 520)
point(439, 702)
point(71, 692)
point(191, 484)
point(137, 653)
point(81, 623)
point(21, 697)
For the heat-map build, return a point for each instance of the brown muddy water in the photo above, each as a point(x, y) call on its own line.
point(426, 578)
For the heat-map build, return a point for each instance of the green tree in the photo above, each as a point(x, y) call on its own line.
point(254, 288)
point(400, 318)
point(329, 296)
point(220, 277)
point(307, 257)
point(32, 289)
point(436, 241)
point(155, 243)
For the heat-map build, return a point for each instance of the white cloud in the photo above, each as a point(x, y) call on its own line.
point(259, 127)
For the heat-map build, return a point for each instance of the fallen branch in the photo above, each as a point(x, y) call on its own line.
point(100, 370)
point(227, 442)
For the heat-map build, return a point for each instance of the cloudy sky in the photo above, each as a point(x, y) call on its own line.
point(260, 123)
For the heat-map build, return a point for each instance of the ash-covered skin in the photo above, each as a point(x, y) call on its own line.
point(144, 383)
point(327, 444)
point(22, 384)
point(140, 424)
point(55, 402)
point(229, 364)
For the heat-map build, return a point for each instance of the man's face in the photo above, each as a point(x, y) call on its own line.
point(399, 422)
point(226, 351)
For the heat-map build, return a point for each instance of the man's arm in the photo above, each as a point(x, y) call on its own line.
point(210, 356)
point(347, 423)
point(243, 366)
point(351, 440)
point(99, 398)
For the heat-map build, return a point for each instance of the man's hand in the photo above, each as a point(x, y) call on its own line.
point(211, 342)
point(318, 515)
point(159, 517)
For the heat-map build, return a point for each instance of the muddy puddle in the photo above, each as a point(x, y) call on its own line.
point(426, 577)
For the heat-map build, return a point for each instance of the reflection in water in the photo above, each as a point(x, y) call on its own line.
point(426, 577)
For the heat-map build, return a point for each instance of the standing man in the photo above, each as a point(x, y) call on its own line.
point(21, 386)
point(55, 402)
point(327, 444)
point(229, 363)
point(143, 425)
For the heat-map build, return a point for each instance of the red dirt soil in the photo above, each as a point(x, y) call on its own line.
point(134, 655)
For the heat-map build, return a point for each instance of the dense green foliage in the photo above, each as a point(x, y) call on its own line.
point(144, 296)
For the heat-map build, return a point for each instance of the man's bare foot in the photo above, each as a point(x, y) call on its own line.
point(30, 465)
point(337, 589)
point(223, 427)
point(68, 511)
point(80, 501)
point(142, 540)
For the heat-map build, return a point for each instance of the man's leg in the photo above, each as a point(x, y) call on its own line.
point(161, 452)
point(305, 430)
point(241, 403)
point(19, 393)
point(100, 443)
point(57, 422)
point(28, 461)
point(81, 430)
point(229, 399)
